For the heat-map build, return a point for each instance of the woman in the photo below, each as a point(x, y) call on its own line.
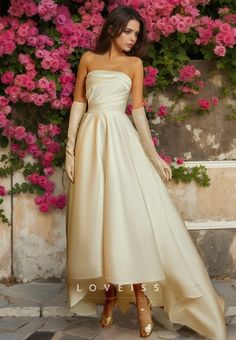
point(125, 237)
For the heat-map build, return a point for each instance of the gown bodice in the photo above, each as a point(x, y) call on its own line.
point(107, 90)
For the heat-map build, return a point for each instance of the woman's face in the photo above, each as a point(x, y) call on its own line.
point(126, 40)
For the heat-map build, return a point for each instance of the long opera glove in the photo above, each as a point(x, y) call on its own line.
point(76, 113)
point(142, 126)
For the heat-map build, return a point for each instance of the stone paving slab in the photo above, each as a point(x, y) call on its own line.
point(24, 332)
point(55, 324)
point(89, 328)
point(11, 324)
point(226, 288)
point(2, 286)
point(8, 336)
point(41, 336)
point(14, 311)
point(34, 291)
point(56, 311)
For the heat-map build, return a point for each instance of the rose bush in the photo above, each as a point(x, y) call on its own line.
point(41, 42)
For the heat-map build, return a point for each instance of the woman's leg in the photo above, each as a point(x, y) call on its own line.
point(110, 300)
point(144, 310)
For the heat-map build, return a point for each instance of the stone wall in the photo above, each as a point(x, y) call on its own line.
point(208, 137)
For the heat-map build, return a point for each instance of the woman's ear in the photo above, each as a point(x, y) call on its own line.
point(110, 30)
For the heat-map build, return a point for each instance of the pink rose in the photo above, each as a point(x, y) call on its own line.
point(39, 100)
point(20, 133)
point(155, 140)
point(181, 27)
point(51, 200)
point(39, 199)
point(22, 153)
point(42, 130)
point(162, 112)
point(23, 30)
point(220, 50)
point(48, 171)
point(225, 27)
point(30, 138)
point(49, 186)
point(149, 80)
point(56, 104)
point(7, 77)
point(54, 147)
point(204, 104)
point(228, 39)
point(61, 201)
point(214, 100)
point(43, 207)
point(48, 156)
point(179, 161)
point(33, 148)
point(42, 181)
point(54, 63)
point(46, 141)
point(9, 47)
point(34, 178)
point(4, 122)
point(14, 147)
point(3, 101)
point(2, 191)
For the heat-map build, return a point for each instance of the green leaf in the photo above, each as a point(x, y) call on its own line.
point(182, 38)
point(3, 141)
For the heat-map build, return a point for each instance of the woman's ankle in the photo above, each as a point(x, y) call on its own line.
point(111, 292)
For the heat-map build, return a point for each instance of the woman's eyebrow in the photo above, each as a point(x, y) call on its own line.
point(131, 29)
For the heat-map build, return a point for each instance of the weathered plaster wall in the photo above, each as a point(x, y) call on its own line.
point(5, 231)
point(39, 238)
point(218, 250)
point(208, 137)
point(217, 202)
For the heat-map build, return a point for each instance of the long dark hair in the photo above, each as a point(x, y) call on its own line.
point(115, 24)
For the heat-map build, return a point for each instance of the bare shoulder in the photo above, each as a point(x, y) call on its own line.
point(89, 58)
point(86, 56)
point(136, 64)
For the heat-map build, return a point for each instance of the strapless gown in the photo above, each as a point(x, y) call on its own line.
point(122, 226)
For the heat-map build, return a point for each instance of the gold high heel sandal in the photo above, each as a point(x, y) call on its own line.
point(147, 329)
point(107, 321)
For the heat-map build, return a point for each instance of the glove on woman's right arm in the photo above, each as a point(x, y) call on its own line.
point(76, 113)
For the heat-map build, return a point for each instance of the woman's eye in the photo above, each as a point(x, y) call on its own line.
point(136, 34)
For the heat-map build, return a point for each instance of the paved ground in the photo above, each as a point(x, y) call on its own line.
point(37, 311)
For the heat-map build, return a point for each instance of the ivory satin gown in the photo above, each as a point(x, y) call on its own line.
point(122, 226)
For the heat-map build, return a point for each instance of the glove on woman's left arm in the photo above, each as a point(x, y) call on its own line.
point(141, 123)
